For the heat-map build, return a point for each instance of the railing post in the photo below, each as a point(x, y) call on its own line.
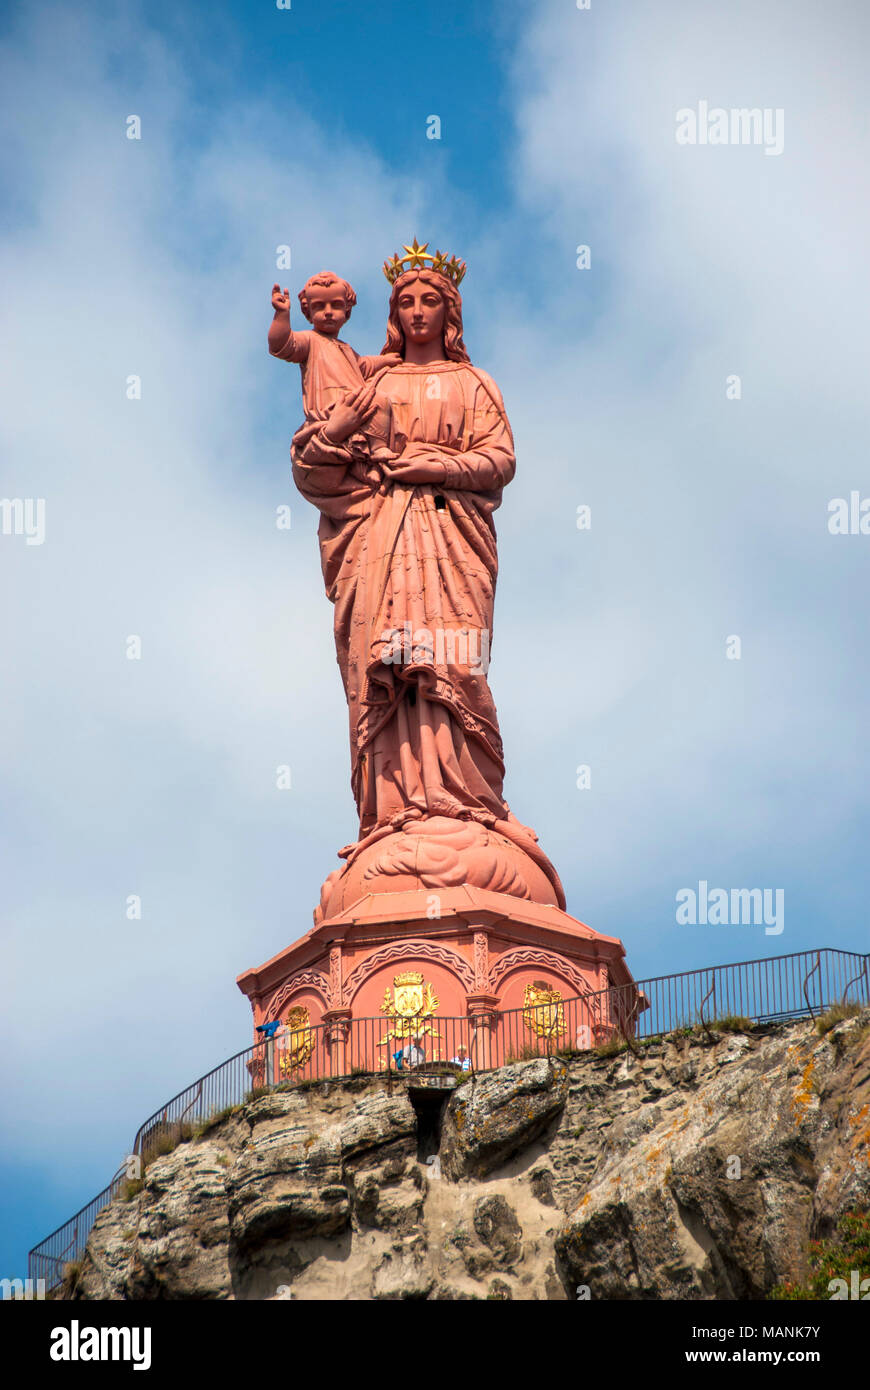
point(807, 978)
point(704, 1024)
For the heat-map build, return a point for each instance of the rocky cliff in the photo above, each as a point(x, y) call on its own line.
point(689, 1168)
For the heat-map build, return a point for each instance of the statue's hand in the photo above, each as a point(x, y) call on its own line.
point(351, 414)
point(420, 463)
point(280, 300)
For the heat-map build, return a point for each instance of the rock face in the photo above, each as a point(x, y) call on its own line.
point(500, 1114)
point(685, 1170)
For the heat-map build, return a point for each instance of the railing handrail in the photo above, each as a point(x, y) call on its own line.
point(206, 1076)
point(742, 964)
point(589, 999)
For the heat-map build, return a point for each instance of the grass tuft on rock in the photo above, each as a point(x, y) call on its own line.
point(529, 1053)
point(205, 1126)
point(837, 1013)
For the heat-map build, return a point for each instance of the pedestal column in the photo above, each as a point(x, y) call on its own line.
point(337, 1026)
point(482, 1017)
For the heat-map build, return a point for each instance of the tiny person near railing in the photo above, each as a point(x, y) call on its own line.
point(410, 1056)
point(270, 1031)
point(462, 1059)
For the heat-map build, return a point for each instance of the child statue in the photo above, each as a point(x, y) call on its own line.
point(332, 373)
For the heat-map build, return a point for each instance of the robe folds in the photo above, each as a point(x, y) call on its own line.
point(411, 567)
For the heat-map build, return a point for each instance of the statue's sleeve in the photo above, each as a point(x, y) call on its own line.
point(324, 472)
point(296, 347)
point(490, 462)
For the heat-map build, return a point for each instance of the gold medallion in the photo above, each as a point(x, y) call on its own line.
point(297, 1043)
point(411, 1007)
point(543, 1013)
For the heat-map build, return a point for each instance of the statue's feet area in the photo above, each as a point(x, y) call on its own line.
point(435, 852)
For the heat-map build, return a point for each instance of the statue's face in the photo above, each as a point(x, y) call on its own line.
point(421, 313)
point(327, 307)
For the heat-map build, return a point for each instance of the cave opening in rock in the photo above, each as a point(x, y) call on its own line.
point(428, 1106)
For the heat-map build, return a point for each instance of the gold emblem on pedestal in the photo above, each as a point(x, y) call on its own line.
point(543, 1013)
point(411, 1007)
point(297, 1043)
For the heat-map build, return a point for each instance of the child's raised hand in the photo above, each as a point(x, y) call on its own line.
point(280, 299)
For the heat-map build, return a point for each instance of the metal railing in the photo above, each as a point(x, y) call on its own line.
point(49, 1259)
point(764, 990)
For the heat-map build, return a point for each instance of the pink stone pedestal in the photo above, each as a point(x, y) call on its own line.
point(477, 951)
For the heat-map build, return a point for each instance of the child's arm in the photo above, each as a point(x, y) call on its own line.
point(369, 365)
point(283, 342)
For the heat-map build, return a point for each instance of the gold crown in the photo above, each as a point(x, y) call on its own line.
point(421, 258)
point(410, 977)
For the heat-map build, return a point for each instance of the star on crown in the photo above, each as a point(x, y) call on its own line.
point(418, 257)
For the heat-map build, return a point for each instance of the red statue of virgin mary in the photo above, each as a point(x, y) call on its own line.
point(408, 548)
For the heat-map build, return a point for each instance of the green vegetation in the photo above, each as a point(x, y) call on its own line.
point(732, 1023)
point(310, 1083)
point(726, 1023)
point(529, 1053)
point(167, 1140)
point(834, 1015)
point(205, 1126)
point(832, 1259)
point(255, 1093)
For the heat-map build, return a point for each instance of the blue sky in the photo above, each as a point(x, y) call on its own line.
point(307, 127)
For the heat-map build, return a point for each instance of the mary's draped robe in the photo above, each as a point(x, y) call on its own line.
point(404, 563)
